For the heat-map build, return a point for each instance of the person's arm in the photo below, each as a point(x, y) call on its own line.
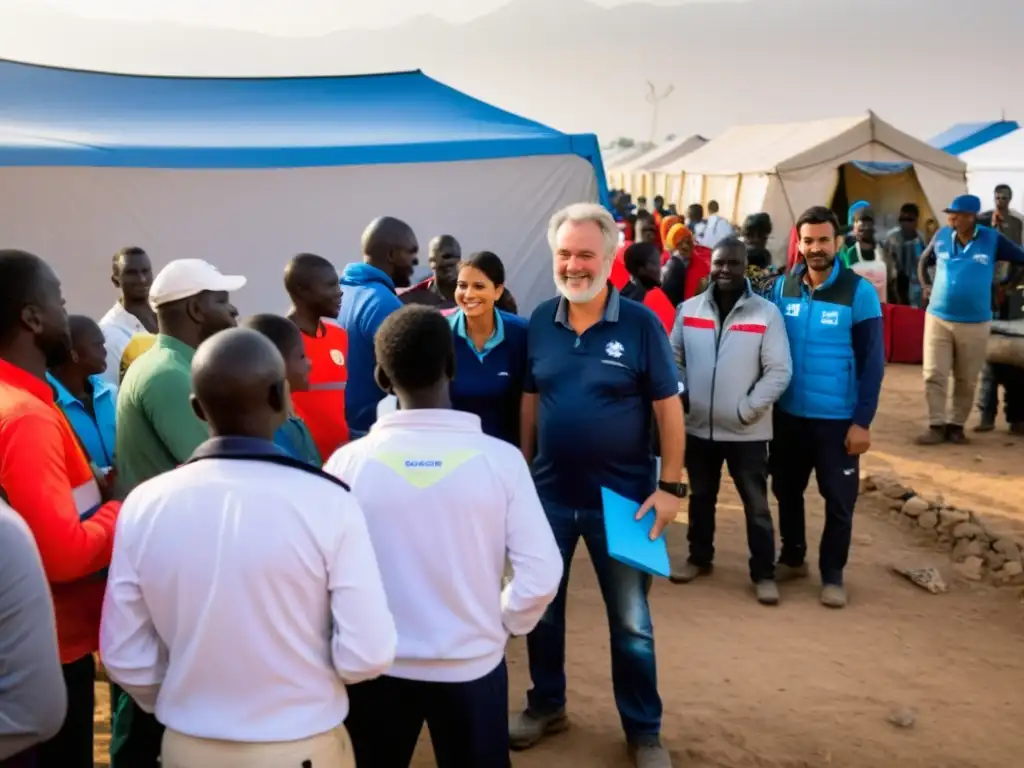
point(1007, 250)
point(33, 473)
point(133, 653)
point(868, 352)
point(528, 410)
point(363, 634)
point(535, 557)
point(677, 341)
point(663, 391)
point(34, 700)
point(776, 370)
point(927, 255)
point(167, 404)
point(376, 313)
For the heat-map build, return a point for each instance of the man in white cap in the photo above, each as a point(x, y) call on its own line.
point(158, 430)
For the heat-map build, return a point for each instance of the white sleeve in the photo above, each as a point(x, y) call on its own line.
point(363, 636)
point(535, 557)
point(134, 655)
point(115, 351)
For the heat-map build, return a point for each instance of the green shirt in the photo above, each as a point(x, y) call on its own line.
point(156, 427)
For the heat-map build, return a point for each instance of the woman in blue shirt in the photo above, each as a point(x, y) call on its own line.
point(490, 348)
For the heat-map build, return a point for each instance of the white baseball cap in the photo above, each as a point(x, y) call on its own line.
point(183, 278)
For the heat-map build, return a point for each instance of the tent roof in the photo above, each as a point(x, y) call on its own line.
point(663, 153)
point(1003, 154)
point(964, 137)
point(795, 146)
point(616, 157)
point(53, 116)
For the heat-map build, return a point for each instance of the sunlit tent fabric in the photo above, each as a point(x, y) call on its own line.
point(783, 169)
point(635, 176)
point(963, 137)
point(997, 162)
point(247, 172)
point(619, 155)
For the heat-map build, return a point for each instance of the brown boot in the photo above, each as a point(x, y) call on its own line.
point(955, 434)
point(932, 436)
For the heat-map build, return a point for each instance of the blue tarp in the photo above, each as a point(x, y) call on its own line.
point(962, 137)
point(60, 117)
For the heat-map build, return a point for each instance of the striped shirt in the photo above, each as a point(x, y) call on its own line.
point(48, 481)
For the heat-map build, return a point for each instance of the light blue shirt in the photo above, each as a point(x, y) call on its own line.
point(457, 321)
point(96, 434)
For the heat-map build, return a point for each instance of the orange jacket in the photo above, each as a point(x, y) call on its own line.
point(49, 482)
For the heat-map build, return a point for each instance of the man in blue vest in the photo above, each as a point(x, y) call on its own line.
point(959, 314)
point(822, 423)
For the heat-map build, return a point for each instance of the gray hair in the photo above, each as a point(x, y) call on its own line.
point(580, 213)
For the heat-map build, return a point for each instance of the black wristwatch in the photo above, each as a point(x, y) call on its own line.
point(678, 490)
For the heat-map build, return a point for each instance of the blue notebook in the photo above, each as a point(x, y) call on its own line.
point(629, 539)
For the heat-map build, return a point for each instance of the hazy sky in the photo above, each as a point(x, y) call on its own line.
point(295, 17)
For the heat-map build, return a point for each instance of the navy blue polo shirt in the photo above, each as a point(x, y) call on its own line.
point(595, 394)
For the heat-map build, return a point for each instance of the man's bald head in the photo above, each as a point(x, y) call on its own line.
point(238, 384)
point(390, 245)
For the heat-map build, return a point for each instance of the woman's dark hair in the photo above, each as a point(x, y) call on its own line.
point(488, 263)
point(819, 214)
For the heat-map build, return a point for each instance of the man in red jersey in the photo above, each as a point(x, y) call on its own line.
point(48, 481)
point(313, 286)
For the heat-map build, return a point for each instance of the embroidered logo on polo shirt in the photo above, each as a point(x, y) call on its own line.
point(981, 258)
point(614, 349)
point(337, 357)
point(424, 471)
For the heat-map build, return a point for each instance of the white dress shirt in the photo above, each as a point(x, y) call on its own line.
point(715, 230)
point(241, 596)
point(445, 504)
point(118, 326)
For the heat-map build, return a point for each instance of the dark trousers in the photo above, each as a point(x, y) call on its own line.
point(624, 589)
point(801, 446)
point(748, 466)
point(468, 722)
point(72, 746)
point(135, 736)
point(1011, 379)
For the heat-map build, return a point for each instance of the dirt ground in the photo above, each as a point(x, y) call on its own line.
point(799, 686)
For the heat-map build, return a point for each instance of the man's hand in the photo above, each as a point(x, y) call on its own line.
point(665, 506)
point(858, 440)
point(106, 481)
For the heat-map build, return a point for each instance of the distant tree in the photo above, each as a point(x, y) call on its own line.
point(671, 137)
point(624, 142)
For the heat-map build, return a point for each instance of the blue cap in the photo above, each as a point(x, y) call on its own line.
point(965, 204)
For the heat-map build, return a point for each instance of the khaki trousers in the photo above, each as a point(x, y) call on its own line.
point(326, 750)
point(956, 349)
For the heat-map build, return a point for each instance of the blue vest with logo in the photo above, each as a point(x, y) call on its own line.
point(820, 329)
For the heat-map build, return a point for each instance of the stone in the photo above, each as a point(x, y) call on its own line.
point(894, 490)
point(967, 548)
point(867, 484)
point(994, 560)
point(1011, 573)
point(1008, 548)
point(951, 518)
point(972, 569)
point(895, 505)
point(967, 531)
point(902, 718)
point(928, 520)
point(915, 506)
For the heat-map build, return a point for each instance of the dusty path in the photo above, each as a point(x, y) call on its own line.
point(799, 686)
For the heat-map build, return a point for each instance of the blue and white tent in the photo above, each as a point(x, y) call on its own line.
point(963, 137)
point(247, 172)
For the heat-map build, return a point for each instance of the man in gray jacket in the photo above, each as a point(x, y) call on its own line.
point(733, 356)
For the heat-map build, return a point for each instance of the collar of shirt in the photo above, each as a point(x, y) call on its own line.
point(178, 347)
point(22, 379)
point(100, 389)
point(227, 446)
point(121, 317)
point(802, 271)
point(611, 308)
point(445, 419)
point(457, 320)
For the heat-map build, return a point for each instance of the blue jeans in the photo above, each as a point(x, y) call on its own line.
point(624, 589)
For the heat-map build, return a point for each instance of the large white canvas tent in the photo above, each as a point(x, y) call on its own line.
point(998, 162)
point(247, 172)
point(784, 169)
point(634, 176)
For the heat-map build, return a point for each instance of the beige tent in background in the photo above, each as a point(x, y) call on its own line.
point(784, 169)
point(634, 175)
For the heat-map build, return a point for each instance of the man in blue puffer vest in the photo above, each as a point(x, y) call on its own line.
point(834, 323)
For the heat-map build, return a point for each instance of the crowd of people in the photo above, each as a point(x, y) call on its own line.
point(296, 539)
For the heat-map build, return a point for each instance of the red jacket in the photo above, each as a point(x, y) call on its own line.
point(48, 481)
point(656, 301)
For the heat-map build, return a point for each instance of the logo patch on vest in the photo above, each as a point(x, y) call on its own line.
point(422, 471)
point(337, 357)
point(792, 310)
point(830, 318)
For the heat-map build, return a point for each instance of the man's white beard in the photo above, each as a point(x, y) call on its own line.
point(582, 297)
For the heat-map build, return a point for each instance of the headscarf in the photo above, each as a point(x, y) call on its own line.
point(667, 222)
point(676, 235)
point(853, 211)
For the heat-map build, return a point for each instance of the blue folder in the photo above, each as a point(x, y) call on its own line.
point(629, 539)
